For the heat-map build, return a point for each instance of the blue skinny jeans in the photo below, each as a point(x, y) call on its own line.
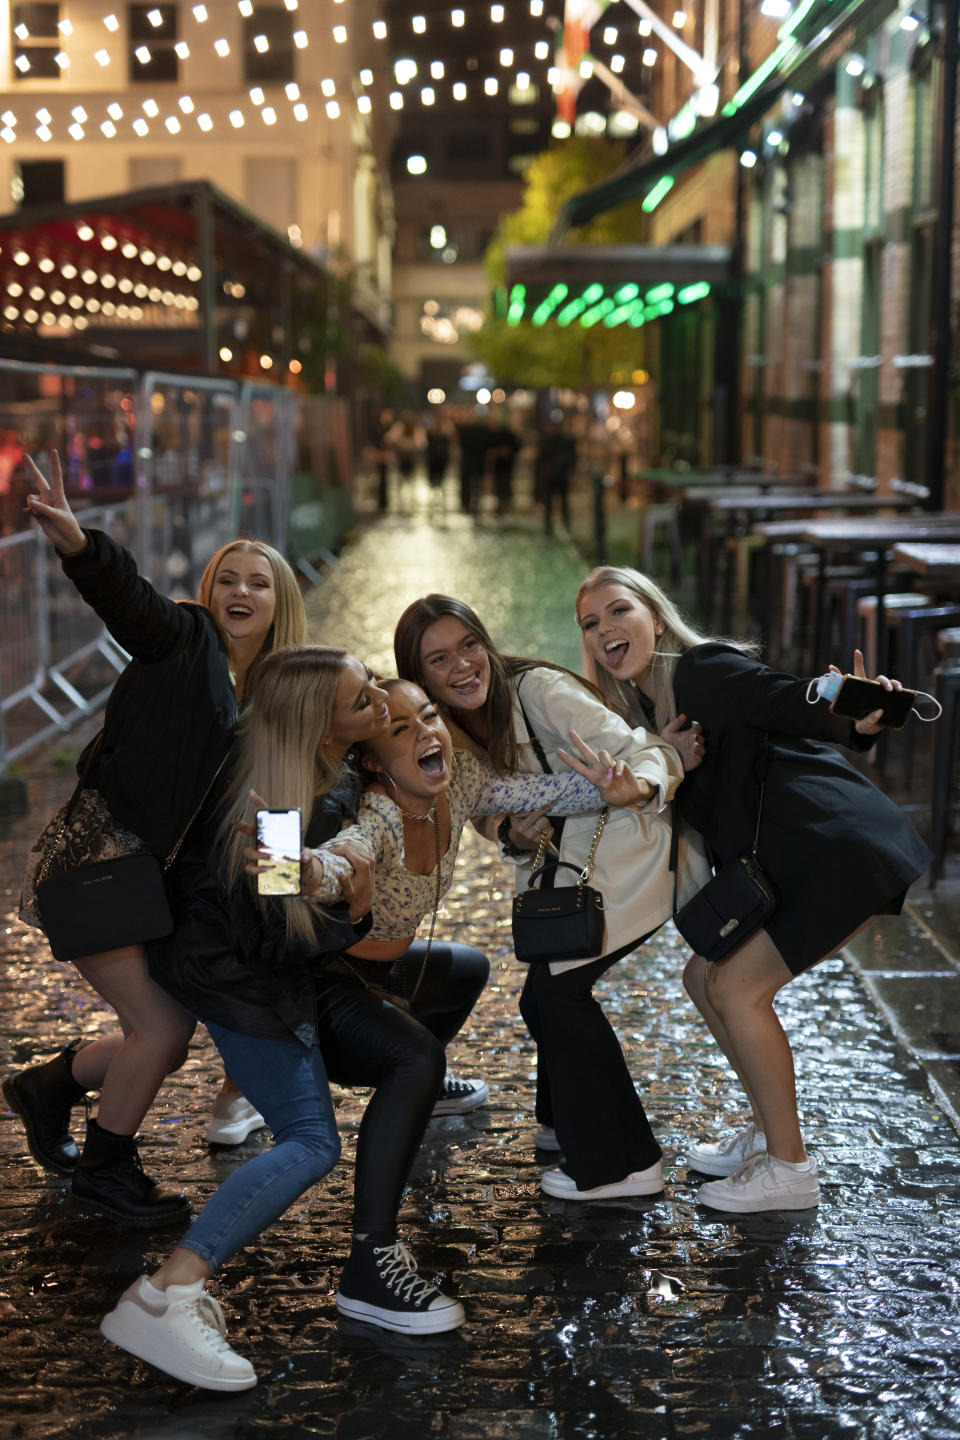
point(288, 1085)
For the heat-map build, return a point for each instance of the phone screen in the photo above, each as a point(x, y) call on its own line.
point(859, 698)
point(279, 832)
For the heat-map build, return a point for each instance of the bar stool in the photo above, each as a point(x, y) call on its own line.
point(947, 690)
point(906, 626)
point(867, 616)
point(661, 517)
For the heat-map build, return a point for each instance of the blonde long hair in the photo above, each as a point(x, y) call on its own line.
point(280, 755)
point(678, 635)
point(289, 619)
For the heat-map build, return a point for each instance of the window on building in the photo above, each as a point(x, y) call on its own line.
point(152, 32)
point(268, 48)
point(35, 40)
point(39, 182)
point(916, 382)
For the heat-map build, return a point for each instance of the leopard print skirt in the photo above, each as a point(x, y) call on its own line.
point(91, 834)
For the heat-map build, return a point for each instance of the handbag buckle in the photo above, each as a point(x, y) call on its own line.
point(729, 928)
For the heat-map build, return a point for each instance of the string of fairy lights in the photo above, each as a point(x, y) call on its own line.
point(393, 79)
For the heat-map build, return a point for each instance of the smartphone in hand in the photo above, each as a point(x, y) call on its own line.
point(278, 831)
point(856, 699)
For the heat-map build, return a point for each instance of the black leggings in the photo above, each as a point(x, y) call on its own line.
point(364, 1040)
point(584, 1088)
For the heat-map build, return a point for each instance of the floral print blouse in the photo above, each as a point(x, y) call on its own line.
point(403, 899)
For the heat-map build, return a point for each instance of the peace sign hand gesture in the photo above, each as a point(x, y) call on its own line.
point(613, 778)
point(50, 509)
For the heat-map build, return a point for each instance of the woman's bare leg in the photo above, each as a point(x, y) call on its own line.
point(694, 980)
point(91, 1064)
point(740, 991)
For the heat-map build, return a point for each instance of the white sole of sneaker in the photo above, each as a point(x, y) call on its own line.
point(124, 1327)
point(430, 1322)
point(759, 1207)
point(233, 1134)
point(462, 1106)
point(621, 1190)
point(715, 1165)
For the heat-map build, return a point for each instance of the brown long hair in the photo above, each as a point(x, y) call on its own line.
point(289, 618)
point(280, 756)
point(491, 726)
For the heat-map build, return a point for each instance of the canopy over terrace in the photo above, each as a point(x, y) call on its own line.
point(177, 277)
point(615, 284)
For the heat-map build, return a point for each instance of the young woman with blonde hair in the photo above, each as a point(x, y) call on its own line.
point(167, 729)
point(836, 849)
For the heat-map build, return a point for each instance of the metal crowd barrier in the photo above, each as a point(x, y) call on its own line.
point(172, 465)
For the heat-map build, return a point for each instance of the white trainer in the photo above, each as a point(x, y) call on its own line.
point(232, 1123)
point(640, 1182)
point(180, 1330)
point(546, 1139)
point(722, 1157)
point(458, 1097)
point(764, 1183)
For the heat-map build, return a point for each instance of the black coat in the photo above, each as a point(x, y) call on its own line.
point(836, 848)
point(169, 719)
point(230, 961)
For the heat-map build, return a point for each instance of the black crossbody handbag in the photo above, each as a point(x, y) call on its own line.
point(732, 906)
point(565, 922)
point(108, 904)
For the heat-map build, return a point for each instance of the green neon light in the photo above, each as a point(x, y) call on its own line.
point(684, 122)
point(627, 292)
point(597, 313)
point(772, 62)
point(636, 320)
point(571, 311)
point(663, 187)
point(659, 292)
point(700, 291)
point(547, 306)
point(592, 292)
point(517, 298)
point(618, 316)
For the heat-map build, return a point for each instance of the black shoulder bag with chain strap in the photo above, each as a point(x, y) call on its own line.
point(558, 922)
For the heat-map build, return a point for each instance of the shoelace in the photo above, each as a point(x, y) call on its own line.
point(746, 1172)
point(457, 1088)
point(744, 1140)
point(207, 1313)
point(399, 1271)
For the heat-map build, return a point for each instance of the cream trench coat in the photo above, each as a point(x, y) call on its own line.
point(632, 866)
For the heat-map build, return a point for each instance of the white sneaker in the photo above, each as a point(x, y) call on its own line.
point(546, 1139)
point(180, 1330)
point(722, 1157)
point(231, 1124)
point(764, 1183)
point(460, 1096)
point(640, 1182)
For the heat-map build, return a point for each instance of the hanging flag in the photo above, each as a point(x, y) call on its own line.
point(578, 19)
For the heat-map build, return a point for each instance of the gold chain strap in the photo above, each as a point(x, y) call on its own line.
point(587, 870)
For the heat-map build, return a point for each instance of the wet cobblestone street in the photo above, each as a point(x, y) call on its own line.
point(624, 1318)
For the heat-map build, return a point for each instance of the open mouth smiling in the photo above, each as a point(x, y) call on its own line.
point(615, 650)
point(432, 761)
point(239, 612)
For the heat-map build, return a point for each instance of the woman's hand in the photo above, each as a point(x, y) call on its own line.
point(613, 778)
point(50, 509)
point(358, 888)
point(526, 829)
point(870, 724)
point(688, 743)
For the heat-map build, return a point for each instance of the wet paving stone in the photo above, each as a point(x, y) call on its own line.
point(649, 1318)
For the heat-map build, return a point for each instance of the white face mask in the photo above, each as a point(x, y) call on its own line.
point(827, 688)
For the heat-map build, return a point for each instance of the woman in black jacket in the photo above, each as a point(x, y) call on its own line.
point(837, 850)
point(167, 730)
point(257, 971)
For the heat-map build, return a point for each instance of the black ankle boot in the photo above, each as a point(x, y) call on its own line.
point(109, 1179)
point(43, 1097)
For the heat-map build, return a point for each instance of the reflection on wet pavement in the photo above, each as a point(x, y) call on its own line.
point(634, 1318)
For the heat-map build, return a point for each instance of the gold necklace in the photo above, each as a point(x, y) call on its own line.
point(412, 815)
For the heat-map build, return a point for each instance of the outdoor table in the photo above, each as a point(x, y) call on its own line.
point(932, 561)
point(877, 533)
